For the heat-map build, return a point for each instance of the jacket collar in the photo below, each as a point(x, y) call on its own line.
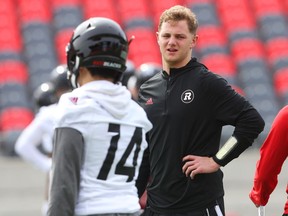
point(176, 71)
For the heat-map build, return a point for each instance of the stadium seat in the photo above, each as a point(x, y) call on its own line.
point(39, 51)
point(280, 63)
point(10, 39)
point(205, 12)
point(139, 23)
point(254, 74)
point(14, 94)
point(254, 70)
point(34, 10)
point(62, 38)
point(188, 2)
point(211, 35)
point(144, 47)
point(262, 8)
point(211, 38)
point(157, 8)
point(238, 34)
point(281, 81)
point(14, 118)
point(64, 3)
point(13, 71)
point(131, 9)
point(212, 49)
point(245, 48)
point(235, 15)
point(105, 9)
point(273, 26)
point(6, 55)
point(66, 17)
point(277, 49)
point(220, 63)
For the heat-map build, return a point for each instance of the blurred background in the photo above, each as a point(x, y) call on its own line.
point(245, 41)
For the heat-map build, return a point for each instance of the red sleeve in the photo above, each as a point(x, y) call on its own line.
point(272, 156)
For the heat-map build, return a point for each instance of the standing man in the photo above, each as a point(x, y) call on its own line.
point(188, 105)
point(100, 133)
point(273, 154)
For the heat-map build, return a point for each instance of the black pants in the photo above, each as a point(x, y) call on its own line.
point(212, 210)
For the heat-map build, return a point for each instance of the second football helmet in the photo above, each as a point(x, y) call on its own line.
point(145, 71)
point(44, 95)
point(59, 78)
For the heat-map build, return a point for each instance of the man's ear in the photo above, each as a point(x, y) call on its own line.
point(194, 41)
point(157, 36)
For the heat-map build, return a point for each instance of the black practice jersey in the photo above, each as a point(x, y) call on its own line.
point(188, 109)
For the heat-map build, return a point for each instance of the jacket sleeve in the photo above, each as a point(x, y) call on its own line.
point(273, 153)
point(233, 109)
point(144, 172)
point(65, 175)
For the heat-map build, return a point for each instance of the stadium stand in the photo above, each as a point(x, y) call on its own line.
point(246, 41)
point(248, 52)
point(66, 16)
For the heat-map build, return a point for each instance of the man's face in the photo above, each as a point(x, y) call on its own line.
point(176, 43)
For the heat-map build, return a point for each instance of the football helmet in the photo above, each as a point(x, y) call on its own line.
point(96, 43)
point(44, 95)
point(59, 78)
point(130, 71)
point(145, 71)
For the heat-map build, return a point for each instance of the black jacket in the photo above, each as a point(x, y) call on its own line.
point(188, 109)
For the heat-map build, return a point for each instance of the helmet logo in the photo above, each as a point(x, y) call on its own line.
point(187, 96)
point(112, 64)
point(107, 64)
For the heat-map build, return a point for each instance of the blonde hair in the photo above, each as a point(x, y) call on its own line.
point(178, 13)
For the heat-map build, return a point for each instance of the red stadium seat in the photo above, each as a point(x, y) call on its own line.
point(62, 38)
point(187, 2)
point(235, 15)
point(262, 8)
point(281, 81)
point(15, 118)
point(157, 8)
point(10, 33)
point(277, 48)
point(130, 9)
point(105, 9)
point(211, 35)
point(144, 47)
point(10, 39)
point(8, 14)
point(247, 48)
point(34, 10)
point(285, 5)
point(221, 64)
point(13, 71)
point(64, 3)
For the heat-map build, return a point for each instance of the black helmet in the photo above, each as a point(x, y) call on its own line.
point(130, 71)
point(59, 78)
point(96, 43)
point(145, 71)
point(44, 95)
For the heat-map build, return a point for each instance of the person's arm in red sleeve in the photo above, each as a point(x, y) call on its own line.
point(272, 156)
